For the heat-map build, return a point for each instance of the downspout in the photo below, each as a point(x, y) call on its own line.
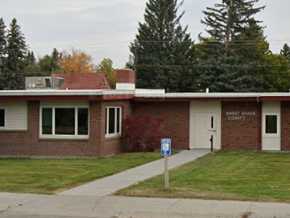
point(259, 124)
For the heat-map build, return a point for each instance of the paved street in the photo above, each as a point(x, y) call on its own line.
point(32, 206)
point(111, 184)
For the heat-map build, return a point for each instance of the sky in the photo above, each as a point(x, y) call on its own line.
point(105, 28)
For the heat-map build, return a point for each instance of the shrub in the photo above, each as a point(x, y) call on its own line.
point(142, 133)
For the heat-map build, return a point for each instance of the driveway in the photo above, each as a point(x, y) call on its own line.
point(112, 184)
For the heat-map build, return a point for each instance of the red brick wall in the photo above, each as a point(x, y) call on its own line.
point(126, 76)
point(27, 143)
point(285, 126)
point(175, 116)
point(241, 131)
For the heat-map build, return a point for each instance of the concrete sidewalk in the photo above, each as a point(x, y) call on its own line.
point(41, 206)
point(112, 184)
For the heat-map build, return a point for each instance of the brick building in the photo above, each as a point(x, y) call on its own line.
point(72, 120)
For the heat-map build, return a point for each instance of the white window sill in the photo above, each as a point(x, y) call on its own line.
point(112, 136)
point(271, 135)
point(11, 130)
point(64, 137)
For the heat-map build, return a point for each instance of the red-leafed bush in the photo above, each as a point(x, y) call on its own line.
point(142, 133)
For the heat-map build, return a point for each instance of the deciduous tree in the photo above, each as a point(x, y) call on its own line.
point(106, 67)
point(76, 62)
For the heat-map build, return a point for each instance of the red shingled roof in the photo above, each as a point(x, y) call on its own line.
point(83, 80)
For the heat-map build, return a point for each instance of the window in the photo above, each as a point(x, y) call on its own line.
point(2, 118)
point(65, 121)
point(47, 121)
point(113, 121)
point(71, 122)
point(271, 124)
point(83, 114)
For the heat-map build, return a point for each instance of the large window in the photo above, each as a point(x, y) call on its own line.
point(271, 124)
point(2, 118)
point(64, 122)
point(113, 121)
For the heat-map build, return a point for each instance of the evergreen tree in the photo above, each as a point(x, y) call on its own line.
point(3, 50)
point(229, 19)
point(14, 74)
point(3, 41)
point(162, 49)
point(30, 58)
point(234, 48)
point(31, 65)
point(50, 63)
point(285, 51)
point(55, 57)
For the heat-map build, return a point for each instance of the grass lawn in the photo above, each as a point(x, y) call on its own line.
point(48, 176)
point(225, 175)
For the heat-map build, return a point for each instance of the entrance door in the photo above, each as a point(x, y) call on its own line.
point(205, 122)
point(205, 130)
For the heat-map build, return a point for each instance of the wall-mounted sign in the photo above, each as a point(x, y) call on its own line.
point(240, 115)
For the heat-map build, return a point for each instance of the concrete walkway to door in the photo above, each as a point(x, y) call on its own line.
point(111, 184)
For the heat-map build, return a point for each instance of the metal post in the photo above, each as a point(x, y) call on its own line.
point(211, 143)
point(166, 173)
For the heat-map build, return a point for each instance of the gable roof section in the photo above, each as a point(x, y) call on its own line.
point(80, 81)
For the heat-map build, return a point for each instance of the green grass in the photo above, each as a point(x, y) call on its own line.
point(231, 175)
point(48, 176)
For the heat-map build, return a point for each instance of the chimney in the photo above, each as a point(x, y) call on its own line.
point(126, 79)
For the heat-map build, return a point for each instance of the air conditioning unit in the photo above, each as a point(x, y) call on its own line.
point(43, 82)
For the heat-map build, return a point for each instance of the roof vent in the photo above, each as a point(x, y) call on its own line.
point(207, 90)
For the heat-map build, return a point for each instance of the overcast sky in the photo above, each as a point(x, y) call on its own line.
point(104, 28)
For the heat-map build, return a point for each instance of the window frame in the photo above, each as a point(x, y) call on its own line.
point(56, 136)
point(107, 120)
point(277, 134)
point(5, 118)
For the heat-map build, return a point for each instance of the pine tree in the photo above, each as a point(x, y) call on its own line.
point(252, 48)
point(31, 65)
point(2, 38)
point(162, 49)
point(30, 58)
point(50, 63)
point(55, 57)
point(14, 74)
point(3, 50)
point(229, 19)
point(234, 48)
point(285, 51)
